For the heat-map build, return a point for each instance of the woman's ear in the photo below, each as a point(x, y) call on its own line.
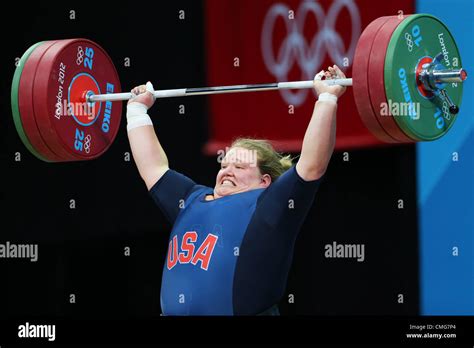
point(265, 180)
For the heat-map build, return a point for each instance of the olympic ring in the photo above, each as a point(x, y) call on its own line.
point(87, 143)
point(446, 113)
point(308, 55)
point(80, 55)
point(409, 41)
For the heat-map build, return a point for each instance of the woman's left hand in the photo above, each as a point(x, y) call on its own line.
point(333, 72)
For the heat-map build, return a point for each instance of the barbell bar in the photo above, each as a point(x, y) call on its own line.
point(187, 92)
point(446, 76)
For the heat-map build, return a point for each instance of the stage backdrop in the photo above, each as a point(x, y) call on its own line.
point(273, 41)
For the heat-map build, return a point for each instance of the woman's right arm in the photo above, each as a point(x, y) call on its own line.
point(148, 154)
point(147, 151)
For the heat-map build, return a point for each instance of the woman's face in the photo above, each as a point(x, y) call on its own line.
point(239, 173)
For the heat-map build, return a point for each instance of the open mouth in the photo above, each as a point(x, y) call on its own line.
point(228, 182)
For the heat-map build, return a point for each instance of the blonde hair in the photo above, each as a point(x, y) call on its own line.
point(269, 161)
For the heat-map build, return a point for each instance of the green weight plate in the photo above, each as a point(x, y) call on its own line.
point(15, 90)
point(417, 40)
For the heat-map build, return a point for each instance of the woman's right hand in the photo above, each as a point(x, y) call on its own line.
point(144, 95)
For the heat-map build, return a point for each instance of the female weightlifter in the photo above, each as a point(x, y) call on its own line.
point(231, 246)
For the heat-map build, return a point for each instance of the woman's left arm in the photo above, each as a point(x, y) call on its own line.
point(320, 136)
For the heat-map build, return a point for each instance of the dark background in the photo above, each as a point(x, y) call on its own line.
point(81, 251)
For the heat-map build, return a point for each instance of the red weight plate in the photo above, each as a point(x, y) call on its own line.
point(25, 103)
point(68, 70)
point(360, 80)
point(377, 82)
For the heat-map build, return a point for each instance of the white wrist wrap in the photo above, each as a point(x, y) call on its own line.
point(327, 97)
point(137, 116)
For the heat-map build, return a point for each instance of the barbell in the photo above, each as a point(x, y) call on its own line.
point(407, 84)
